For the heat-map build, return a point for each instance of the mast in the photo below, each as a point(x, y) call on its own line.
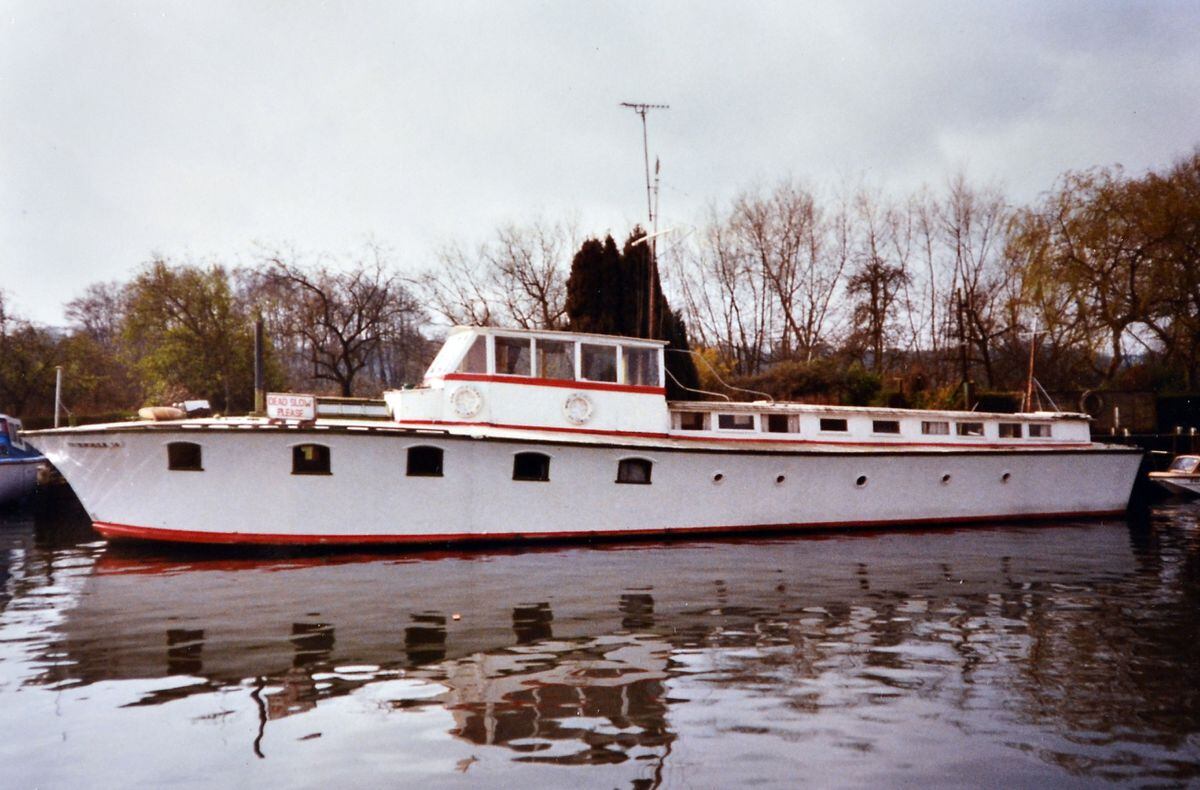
point(651, 206)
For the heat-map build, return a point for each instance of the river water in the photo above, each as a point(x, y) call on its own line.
point(1051, 655)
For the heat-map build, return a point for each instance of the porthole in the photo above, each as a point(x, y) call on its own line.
point(718, 477)
point(1004, 478)
point(861, 481)
point(779, 480)
point(946, 479)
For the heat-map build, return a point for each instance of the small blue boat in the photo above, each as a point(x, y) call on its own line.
point(19, 462)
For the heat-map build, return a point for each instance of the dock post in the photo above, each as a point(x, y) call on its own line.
point(260, 398)
point(57, 392)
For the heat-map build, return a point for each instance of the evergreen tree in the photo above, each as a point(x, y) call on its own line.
point(606, 294)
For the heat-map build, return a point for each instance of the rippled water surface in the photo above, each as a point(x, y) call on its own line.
point(1063, 655)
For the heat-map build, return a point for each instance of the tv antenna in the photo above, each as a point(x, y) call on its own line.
point(651, 207)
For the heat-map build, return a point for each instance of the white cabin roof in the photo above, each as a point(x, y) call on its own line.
point(554, 334)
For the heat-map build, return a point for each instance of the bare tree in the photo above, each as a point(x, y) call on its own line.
point(343, 319)
point(518, 278)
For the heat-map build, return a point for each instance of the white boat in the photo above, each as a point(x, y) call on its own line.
point(1181, 477)
point(18, 462)
point(525, 434)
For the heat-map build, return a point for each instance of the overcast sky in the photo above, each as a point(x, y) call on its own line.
point(205, 130)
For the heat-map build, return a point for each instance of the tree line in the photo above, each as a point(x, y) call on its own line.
point(790, 290)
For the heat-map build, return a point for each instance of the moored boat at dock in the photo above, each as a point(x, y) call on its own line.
point(1181, 477)
point(524, 434)
point(19, 462)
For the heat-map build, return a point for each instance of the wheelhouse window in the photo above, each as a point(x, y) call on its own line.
point(833, 424)
point(1010, 430)
point(1187, 464)
point(935, 428)
point(598, 363)
point(735, 422)
point(969, 428)
point(475, 360)
point(513, 357)
point(641, 366)
point(310, 459)
point(556, 359)
point(531, 466)
point(780, 423)
point(1039, 430)
point(424, 462)
point(885, 426)
point(184, 457)
point(691, 420)
point(634, 470)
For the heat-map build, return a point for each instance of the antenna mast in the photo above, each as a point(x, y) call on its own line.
point(651, 208)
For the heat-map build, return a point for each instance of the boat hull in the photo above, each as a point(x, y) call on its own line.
point(1185, 485)
point(18, 478)
point(247, 494)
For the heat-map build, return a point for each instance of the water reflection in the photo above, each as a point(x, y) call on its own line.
point(1020, 654)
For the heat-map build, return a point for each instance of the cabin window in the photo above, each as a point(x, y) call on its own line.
point(310, 459)
point(598, 363)
point(1039, 430)
point(556, 359)
point(691, 420)
point(184, 457)
point(641, 366)
point(513, 356)
point(424, 462)
point(935, 428)
point(833, 424)
point(735, 422)
point(1187, 464)
point(970, 428)
point(885, 426)
point(475, 360)
point(634, 470)
point(531, 466)
point(780, 423)
point(1010, 430)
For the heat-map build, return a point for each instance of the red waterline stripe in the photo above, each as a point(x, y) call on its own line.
point(563, 383)
point(127, 532)
point(744, 440)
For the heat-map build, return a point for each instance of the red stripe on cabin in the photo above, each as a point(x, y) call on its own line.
point(562, 383)
point(128, 532)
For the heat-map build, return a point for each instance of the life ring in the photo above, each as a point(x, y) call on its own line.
point(466, 400)
point(577, 408)
point(1091, 402)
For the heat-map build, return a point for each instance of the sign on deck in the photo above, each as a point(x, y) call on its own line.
point(286, 406)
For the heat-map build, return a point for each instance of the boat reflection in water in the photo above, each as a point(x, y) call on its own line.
point(1019, 654)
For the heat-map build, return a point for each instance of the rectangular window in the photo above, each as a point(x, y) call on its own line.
point(1039, 430)
point(935, 428)
point(641, 366)
point(885, 426)
point(970, 428)
point(634, 470)
point(735, 422)
point(184, 457)
point(780, 423)
point(424, 462)
point(513, 357)
point(531, 466)
point(1010, 430)
point(310, 459)
point(556, 359)
point(599, 363)
point(475, 360)
point(691, 420)
point(833, 424)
